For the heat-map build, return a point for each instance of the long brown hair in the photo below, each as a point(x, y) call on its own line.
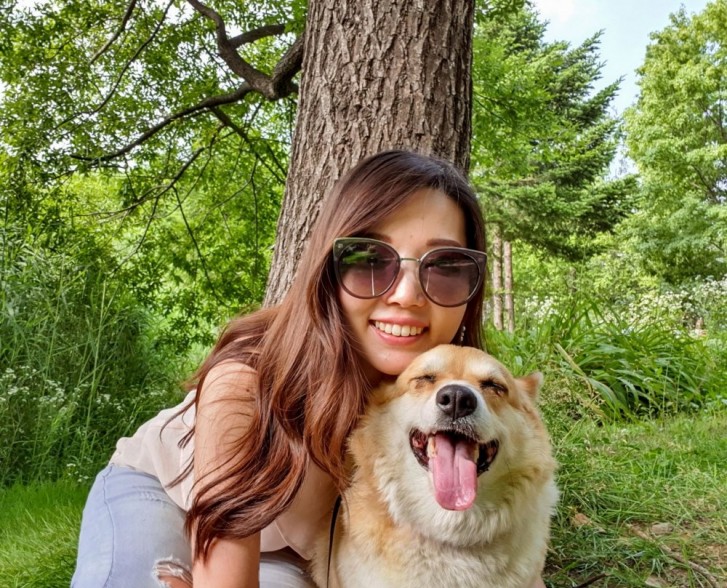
point(312, 386)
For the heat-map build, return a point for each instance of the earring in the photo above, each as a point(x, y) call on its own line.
point(461, 334)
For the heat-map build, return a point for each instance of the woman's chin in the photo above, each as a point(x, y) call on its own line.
point(393, 363)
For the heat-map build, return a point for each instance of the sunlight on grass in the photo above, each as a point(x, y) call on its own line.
point(619, 482)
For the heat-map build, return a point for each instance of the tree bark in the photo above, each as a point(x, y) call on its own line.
point(497, 277)
point(377, 74)
point(507, 271)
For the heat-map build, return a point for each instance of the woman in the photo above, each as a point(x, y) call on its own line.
point(251, 468)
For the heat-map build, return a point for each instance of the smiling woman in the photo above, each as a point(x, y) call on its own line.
point(231, 488)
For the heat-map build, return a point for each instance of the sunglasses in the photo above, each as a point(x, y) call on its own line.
point(367, 268)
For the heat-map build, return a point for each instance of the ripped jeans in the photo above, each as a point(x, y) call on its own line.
point(132, 533)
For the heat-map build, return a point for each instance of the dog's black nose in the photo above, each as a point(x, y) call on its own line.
point(456, 401)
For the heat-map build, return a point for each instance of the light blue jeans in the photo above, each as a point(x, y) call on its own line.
point(132, 532)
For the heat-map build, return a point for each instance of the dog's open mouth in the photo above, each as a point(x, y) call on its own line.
point(455, 461)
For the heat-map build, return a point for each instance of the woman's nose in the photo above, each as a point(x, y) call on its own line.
point(407, 291)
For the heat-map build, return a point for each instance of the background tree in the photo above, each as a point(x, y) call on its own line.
point(149, 102)
point(379, 76)
point(543, 139)
point(543, 142)
point(677, 135)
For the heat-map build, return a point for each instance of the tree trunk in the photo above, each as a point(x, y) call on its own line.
point(377, 74)
point(497, 277)
point(507, 271)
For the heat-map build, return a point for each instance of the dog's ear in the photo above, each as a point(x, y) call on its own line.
point(531, 384)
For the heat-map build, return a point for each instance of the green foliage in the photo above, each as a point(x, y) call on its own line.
point(621, 335)
point(89, 97)
point(202, 255)
point(676, 134)
point(638, 369)
point(627, 365)
point(77, 367)
point(38, 534)
point(113, 271)
point(543, 140)
point(189, 214)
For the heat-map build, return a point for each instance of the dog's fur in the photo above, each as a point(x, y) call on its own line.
point(392, 530)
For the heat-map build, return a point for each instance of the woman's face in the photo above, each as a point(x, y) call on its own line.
point(429, 219)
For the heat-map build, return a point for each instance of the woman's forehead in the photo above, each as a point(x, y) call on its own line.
point(429, 215)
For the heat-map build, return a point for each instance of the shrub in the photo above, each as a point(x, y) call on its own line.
point(631, 364)
point(78, 365)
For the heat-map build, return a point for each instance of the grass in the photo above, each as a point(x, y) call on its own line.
point(636, 495)
point(618, 481)
point(38, 533)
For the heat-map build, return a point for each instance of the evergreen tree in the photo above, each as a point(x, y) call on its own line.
point(543, 139)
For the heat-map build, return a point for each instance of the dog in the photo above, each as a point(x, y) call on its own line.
point(453, 481)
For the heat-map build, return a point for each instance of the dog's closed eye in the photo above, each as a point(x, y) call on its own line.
point(424, 379)
point(493, 387)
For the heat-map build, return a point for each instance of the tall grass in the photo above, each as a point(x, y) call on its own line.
point(623, 366)
point(78, 368)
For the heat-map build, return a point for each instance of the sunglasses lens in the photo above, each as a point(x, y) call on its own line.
point(449, 278)
point(367, 269)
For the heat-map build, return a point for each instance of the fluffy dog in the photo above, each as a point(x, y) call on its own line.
point(453, 481)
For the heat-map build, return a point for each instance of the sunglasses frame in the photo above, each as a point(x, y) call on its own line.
point(479, 257)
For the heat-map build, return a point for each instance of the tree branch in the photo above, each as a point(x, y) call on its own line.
point(228, 52)
point(272, 87)
point(278, 85)
point(156, 192)
point(706, 184)
point(141, 241)
point(286, 69)
point(255, 34)
point(227, 121)
point(706, 574)
point(197, 249)
point(124, 69)
point(122, 27)
point(195, 110)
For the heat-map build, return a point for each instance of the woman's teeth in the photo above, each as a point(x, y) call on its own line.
point(398, 330)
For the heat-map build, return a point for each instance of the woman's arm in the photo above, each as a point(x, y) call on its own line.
point(232, 563)
point(221, 420)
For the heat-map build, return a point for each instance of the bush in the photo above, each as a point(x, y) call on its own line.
point(632, 364)
point(78, 365)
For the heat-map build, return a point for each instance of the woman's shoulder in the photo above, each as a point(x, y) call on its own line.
point(228, 380)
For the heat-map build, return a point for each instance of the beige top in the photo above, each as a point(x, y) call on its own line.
point(154, 449)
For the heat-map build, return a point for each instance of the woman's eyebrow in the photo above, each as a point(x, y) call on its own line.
point(444, 243)
point(435, 242)
point(377, 236)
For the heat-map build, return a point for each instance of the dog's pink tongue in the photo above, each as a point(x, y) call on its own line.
point(454, 472)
